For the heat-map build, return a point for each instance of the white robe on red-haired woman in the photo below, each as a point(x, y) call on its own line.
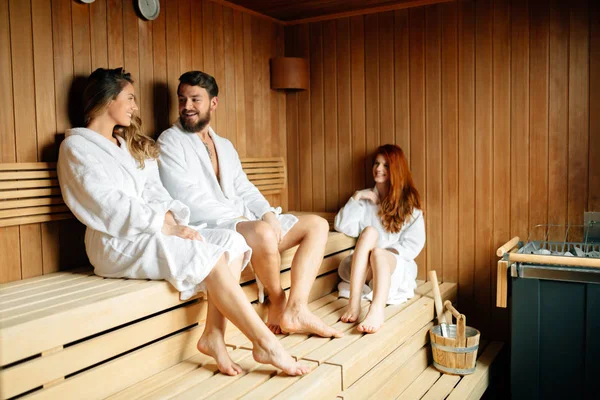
point(353, 218)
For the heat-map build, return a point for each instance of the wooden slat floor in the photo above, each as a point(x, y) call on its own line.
point(394, 363)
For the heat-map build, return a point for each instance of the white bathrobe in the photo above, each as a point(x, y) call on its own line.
point(187, 173)
point(353, 218)
point(124, 208)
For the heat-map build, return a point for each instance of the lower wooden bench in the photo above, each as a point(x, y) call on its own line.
point(333, 360)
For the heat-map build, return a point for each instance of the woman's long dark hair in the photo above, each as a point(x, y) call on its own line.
point(403, 197)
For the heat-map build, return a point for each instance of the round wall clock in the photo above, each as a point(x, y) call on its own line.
point(87, 1)
point(149, 9)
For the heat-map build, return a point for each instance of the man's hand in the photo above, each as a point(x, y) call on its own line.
point(366, 194)
point(271, 219)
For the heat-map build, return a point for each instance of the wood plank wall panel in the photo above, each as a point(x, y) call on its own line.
point(48, 48)
point(417, 114)
point(501, 143)
point(492, 101)
point(484, 260)
point(449, 110)
point(594, 142)
point(466, 152)
point(331, 118)
point(46, 259)
point(433, 136)
point(344, 107)
point(578, 112)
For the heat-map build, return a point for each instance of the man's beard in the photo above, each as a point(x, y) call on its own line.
point(191, 127)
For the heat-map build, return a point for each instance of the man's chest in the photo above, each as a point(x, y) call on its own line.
point(211, 150)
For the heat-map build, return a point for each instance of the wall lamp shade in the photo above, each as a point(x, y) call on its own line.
point(289, 73)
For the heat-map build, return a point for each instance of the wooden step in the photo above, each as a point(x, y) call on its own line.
point(325, 381)
point(418, 379)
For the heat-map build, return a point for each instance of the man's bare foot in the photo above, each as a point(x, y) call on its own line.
point(212, 344)
point(373, 321)
point(301, 320)
point(351, 313)
point(276, 307)
point(270, 351)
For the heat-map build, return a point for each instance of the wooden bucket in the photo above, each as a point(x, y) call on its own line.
point(457, 353)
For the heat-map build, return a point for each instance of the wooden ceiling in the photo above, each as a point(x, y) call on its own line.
point(294, 10)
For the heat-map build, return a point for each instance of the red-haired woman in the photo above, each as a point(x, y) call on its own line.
point(388, 222)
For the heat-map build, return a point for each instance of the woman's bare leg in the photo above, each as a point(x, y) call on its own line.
point(212, 341)
point(229, 298)
point(383, 264)
point(367, 241)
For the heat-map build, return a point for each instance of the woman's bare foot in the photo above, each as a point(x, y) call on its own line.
point(373, 321)
point(351, 312)
point(212, 344)
point(276, 307)
point(300, 320)
point(270, 351)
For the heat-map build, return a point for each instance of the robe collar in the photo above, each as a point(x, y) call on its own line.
point(121, 154)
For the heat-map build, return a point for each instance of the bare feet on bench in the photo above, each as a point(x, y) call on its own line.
point(276, 307)
point(301, 320)
point(212, 344)
point(351, 313)
point(373, 321)
point(270, 351)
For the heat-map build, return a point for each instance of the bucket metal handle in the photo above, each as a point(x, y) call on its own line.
point(461, 323)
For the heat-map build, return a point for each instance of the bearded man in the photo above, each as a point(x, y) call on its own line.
point(203, 170)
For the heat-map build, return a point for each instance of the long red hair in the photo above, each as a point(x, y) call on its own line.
point(403, 197)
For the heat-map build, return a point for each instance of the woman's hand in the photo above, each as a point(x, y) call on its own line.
point(170, 228)
point(366, 194)
point(271, 219)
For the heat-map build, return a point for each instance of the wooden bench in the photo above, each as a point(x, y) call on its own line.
point(75, 335)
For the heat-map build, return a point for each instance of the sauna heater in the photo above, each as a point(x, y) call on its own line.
point(555, 312)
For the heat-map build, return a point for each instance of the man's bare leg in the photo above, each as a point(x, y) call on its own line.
point(266, 261)
point(230, 300)
point(360, 262)
point(310, 232)
point(212, 341)
point(383, 264)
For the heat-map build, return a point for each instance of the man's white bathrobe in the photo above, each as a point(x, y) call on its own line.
point(124, 208)
point(353, 218)
point(188, 175)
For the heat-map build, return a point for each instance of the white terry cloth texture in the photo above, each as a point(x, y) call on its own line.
point(353, 218)
point(187, 173)
point(124, 207)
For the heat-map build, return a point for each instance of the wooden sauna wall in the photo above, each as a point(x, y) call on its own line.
point(496, 104)
point(48, 47)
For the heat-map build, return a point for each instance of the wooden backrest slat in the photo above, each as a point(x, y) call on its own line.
point(34, 219)
point(19, 194)
point(22, 212)
point(259, 175)
point(27, 166)
point(265, 170)
point(28, 183)
point(279, 181)
point(248, 160)
point(21, 203)
point(253, 166)
point(268, 185)
point(44, 174)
